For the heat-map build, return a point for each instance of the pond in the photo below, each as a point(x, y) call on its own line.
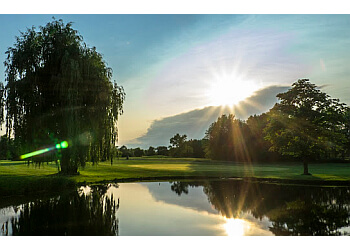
point(222, 207)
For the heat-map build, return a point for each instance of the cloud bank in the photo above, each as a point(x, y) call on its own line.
point(194, 123)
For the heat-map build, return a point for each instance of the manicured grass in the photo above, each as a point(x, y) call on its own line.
point(143, 168)
point(18, 178)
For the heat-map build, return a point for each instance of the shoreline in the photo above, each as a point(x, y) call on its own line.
point(337, 183)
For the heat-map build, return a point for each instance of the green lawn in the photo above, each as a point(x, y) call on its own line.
point(18, 178)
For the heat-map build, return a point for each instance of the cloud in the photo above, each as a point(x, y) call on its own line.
point(194, 199)
point(194, 123)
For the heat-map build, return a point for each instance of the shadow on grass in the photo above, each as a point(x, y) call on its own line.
point(11, 163)
point(11, 185)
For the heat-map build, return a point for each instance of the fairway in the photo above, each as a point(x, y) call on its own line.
point(18, 178)
point(190, 167)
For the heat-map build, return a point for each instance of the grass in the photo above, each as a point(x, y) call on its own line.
point(18, 178)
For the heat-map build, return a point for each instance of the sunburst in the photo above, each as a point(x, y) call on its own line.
point(236, 227)
point(229, 89)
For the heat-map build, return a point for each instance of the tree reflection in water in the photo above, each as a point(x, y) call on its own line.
point(75, 213)
point(309, 218)
point(179, 187)
point(292, 210)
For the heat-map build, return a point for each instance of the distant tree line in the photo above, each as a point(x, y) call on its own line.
point(180, 147)
point(218, 144)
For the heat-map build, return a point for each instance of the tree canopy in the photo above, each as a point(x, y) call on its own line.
point(60, 89)
point(306, 123)
point(227, 139)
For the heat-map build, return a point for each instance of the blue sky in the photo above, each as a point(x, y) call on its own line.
point(168, 63)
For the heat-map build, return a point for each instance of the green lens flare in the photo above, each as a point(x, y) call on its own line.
point(63, 144)
point(38, 152)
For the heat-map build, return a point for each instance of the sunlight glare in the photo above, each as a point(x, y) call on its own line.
point(229, 89)
point(236, 227)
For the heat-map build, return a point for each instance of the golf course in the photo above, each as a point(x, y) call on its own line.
point(17, 178)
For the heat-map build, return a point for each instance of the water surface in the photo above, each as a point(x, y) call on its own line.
point(225, 207)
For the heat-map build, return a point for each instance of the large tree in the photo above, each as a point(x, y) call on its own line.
point(60, 89)
point(306, 123)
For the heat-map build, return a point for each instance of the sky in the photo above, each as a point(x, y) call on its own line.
point(171, 65)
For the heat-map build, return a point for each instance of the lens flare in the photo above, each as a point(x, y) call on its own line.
point(63, 144)
point(38, 152)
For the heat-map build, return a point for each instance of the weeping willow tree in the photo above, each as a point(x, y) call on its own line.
point(60, 89)
point(2, 104)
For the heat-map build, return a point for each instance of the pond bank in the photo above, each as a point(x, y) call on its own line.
point(50, 185)
point(340, 183)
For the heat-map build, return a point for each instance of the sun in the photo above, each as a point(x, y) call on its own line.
point(236, 227)
point(229, 89)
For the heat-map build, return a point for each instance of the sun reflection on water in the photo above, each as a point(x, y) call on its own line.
point(236, 227)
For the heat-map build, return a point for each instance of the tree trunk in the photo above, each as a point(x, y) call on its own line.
point(306, 168)
point(67, 166)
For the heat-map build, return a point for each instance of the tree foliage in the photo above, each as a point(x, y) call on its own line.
point(257, 146)
point(2, 104)
point(178, 146)
point(138, 152)
point(231, 139)
point(306, 123)
point(7, 149)
point(151, 151)
point(177, 140)
point(60, 89)
point(346, 132)
point(125, 152)
point(162, 150)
